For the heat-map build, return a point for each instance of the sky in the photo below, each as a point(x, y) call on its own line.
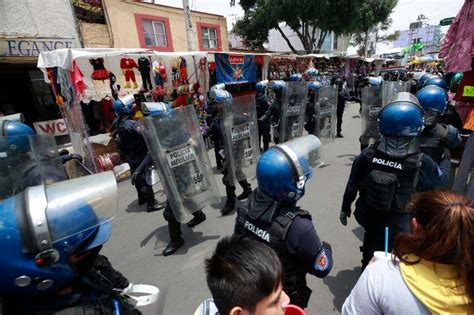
point(404, 13)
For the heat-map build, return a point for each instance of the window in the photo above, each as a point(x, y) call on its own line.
point(334, 43)
point(209, 37)
point(154, 33)
point(416, 40)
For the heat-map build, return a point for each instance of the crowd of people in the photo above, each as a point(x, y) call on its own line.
point(400, 180)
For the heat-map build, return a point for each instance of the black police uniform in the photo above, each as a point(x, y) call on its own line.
point(262, 105)
point(310, 115)
point(289, 231)
point(385, 180)
point(132, 145)
point(273, 115)
point(436, 141)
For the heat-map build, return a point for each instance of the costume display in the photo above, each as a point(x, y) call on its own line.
point(144, 67)
point(127, 65)
point(100, 73)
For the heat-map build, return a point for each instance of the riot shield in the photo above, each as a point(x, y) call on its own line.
point(293, 110)
point(27, 160)
point(371, 105)
point(177, 148)
point(240, 137)
point(390, 90)
point(325, 110)
point(406, 86)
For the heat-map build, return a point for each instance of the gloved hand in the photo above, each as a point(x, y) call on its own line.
point(343, 217)
point(326, 245)
point(134, 178)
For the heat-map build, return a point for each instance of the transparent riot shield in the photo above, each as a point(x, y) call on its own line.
point(325, 110)
point(371, 105)
point(27, 160)
point(50, 208)
point(406, 86)
point(390, 90)
point(293, 110)
point(179, 154)
point(240, 137)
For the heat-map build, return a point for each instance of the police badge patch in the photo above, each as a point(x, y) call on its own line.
point(321, 263)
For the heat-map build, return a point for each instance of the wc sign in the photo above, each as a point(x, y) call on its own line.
point(51, 127)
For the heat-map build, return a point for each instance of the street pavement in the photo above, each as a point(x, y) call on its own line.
point(138, 237)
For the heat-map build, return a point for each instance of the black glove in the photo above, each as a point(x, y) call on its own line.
point(343, 217)
point(326, 245)
point(134, 178)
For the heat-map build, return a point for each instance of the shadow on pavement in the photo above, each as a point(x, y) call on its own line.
point(341, 285)
point(359, 233)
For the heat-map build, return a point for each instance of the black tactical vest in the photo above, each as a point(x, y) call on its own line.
point(390, 181)
point(274, 234)
point(433, 141)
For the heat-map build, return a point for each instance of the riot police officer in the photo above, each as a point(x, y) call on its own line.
point(222, 99)
point(436, 139)
point(53, 230)
point(172, 136)
point(133, 147)
point(387, 173)
point(262, 104)
point(273, 114)
point(273, 217)
point(310, 114)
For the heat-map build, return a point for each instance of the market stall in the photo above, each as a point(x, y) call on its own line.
point(86, 82)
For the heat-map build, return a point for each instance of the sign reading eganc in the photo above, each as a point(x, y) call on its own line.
point(31, 47)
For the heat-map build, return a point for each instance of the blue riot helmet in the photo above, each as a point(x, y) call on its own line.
point(14, 135)
point(282, 171)
point(425, 77)
point(214, 89)
point(455, 82)
point(314, 86)
point(277, 87)
point(375, 81)
point(433, 99)
point(296, 77)
point(261, 86)
point(222, 96)
point(124, 105)
point(154, 108)
point(46, 226)
point(437, 81)
point(402, 117)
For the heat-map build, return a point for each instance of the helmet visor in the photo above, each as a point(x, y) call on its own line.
point(304, 153)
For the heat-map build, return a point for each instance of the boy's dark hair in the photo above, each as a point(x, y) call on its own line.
point(242, 272)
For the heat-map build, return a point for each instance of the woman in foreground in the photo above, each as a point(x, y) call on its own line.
point(433, 272)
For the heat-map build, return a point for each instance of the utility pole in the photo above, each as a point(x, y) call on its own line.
point(189, 26)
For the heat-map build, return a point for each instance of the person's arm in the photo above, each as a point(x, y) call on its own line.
point(452, 138)
point(303, 241)
point(354, 182)
point(363, 298)
point(431, 175)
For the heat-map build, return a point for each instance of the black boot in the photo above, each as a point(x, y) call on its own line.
point(230, 202)
point(198, 218)
point(247, 189)
point(173, 246)
point(174, 231)
point(151, 203)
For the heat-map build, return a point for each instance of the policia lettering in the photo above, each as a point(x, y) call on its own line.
point(257, 231)
point(180, 156)
point(387, 163)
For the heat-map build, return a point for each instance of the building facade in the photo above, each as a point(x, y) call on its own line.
point(332, 44)
point(28, 28)
point(139, 24)
point(428, 35)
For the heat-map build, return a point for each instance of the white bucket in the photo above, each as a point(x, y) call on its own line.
point(146, 297)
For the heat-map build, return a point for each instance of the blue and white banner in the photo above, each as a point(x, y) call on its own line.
point(235, 68)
